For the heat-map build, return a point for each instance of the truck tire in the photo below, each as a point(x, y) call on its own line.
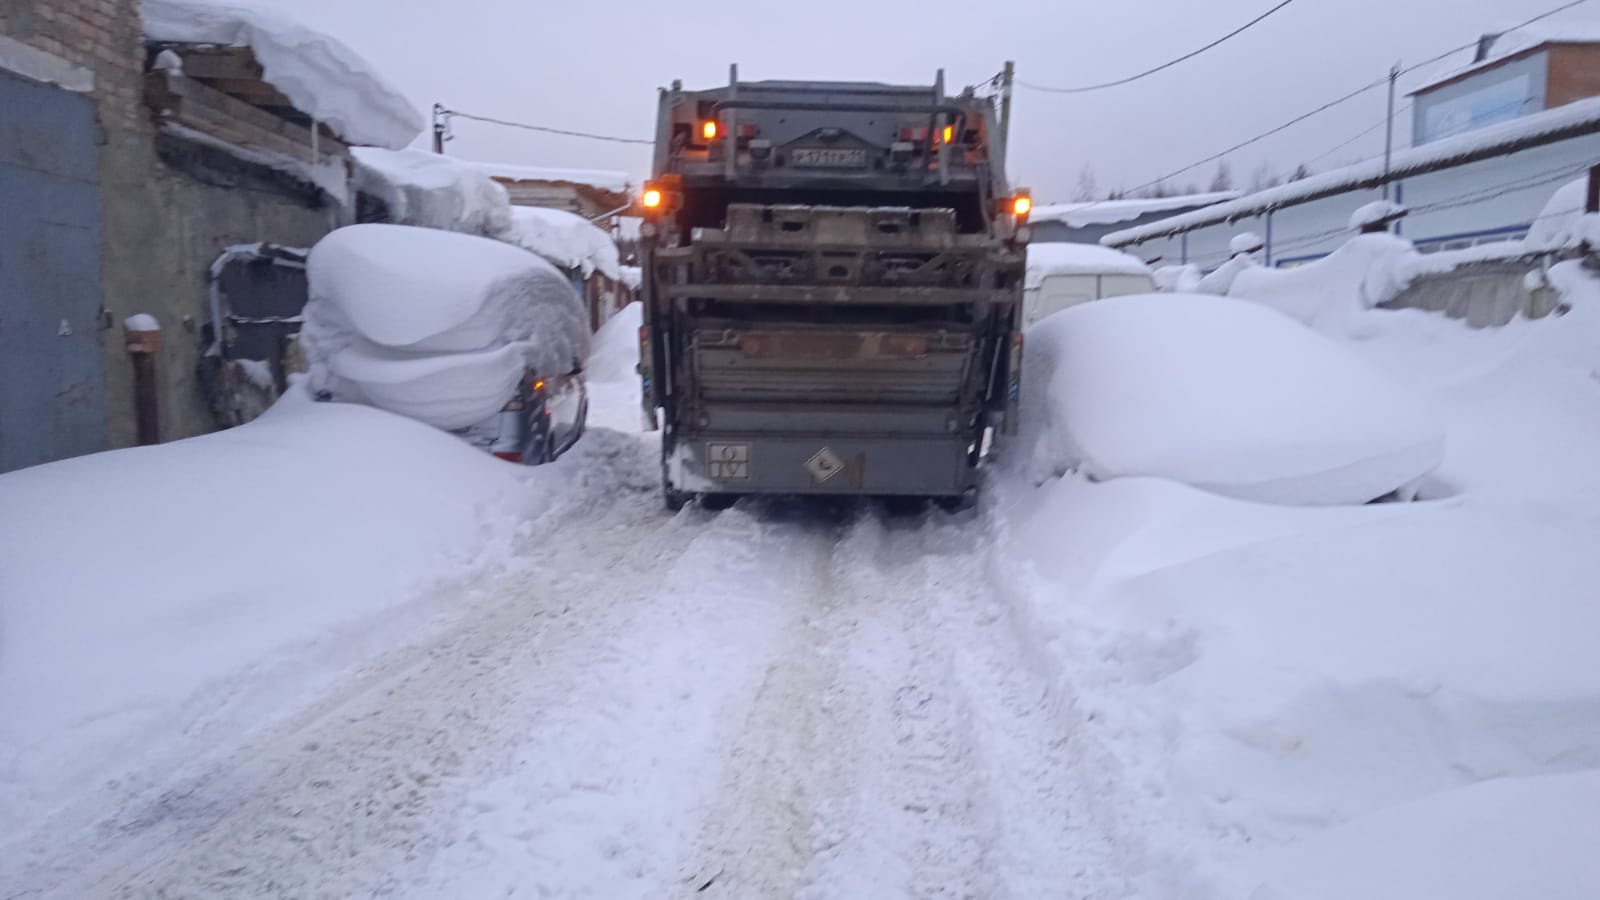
point(675, 501)
point(718, 502)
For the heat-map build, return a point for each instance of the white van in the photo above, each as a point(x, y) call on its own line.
point(1062, 275)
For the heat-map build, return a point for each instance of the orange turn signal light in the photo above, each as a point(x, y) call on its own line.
point(708, 130)
point(652, 198)
point(1021, 206)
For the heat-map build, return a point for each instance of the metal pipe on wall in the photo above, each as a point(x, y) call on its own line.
point(143, 336)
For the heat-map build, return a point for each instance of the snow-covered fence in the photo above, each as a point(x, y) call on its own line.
point(1484, 293)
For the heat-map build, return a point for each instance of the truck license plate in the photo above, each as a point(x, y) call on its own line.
point(728, 462)
point(827, 157)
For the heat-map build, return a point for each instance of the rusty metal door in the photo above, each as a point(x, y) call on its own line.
point(52, 373)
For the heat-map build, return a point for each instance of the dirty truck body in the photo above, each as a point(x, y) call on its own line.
point(832, 291)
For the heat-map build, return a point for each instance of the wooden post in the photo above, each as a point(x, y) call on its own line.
point(1592, 203)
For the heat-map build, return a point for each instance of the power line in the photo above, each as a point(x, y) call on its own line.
point(1164, 66)
point(1344, 99)
point(544, 129)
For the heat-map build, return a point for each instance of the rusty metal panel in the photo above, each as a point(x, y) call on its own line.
point(52, 372)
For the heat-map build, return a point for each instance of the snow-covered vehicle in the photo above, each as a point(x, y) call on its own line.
point(833, 279)
point(1062, 275)
point(470, 335)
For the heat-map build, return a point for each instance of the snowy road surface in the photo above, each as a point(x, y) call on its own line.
point(767, 702)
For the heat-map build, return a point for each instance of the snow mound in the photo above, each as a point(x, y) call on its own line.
point(1222, 395)
point(1246, 242)
point(1524, 837)
point(570, 241)
point(322, 77)
point(615, 353)
point(1053, 258)
point(1184, 279)
point(434, 324)
point(141, 322)
point(1563, 224)
point(212, 556)
point(1375, 212)
point(1329, 293)
point(430, 190)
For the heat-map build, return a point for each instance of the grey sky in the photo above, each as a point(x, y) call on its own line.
point(595, 67)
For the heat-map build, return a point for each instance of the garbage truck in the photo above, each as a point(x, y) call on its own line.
point(833, 277)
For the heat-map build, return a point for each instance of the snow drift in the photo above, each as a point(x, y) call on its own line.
point(433, 324)
point(570, 241)
point(207, 557)
point(1326, 294)
point(430, 190)
point(324, 78)
point(1389, 701)
point(1220, 394)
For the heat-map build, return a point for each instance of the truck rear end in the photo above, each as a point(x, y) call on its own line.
point(833, 284)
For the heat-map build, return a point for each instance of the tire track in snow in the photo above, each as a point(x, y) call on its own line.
point(344, 798)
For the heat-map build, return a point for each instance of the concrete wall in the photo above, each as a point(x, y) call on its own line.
point(163, 226)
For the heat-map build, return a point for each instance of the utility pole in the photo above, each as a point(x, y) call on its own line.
point(1388, 136)
point(439, 118)
point(1005, 107)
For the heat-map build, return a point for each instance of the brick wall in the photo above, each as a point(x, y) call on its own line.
point(100, 35)
point(1574, 73)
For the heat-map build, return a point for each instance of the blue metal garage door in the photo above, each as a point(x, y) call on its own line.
point(52, 373)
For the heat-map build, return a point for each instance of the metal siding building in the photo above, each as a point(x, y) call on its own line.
point(1453, 201)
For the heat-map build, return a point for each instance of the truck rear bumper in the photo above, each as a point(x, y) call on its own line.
point(838, 465)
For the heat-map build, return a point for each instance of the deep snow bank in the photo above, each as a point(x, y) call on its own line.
point(435, 325)
point(1220, 394)
point(133, 580)
point(1396, 700)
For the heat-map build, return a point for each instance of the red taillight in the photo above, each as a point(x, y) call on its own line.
point(510, 455)
point(913, 134)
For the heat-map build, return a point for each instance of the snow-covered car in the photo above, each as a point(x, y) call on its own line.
point(470, 335)
point(541, 421)
point(1061, 275)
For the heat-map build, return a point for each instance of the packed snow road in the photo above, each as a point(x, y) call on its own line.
point(774, 701)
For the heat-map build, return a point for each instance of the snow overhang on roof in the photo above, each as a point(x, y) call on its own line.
point(320, 76)
point(1573, 120)
point(1112, 212)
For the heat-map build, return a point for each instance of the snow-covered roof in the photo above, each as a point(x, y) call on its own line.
point(1053, 258)
point(1573, 120)
point(1506, 44)
point(1111, 212)
point(599, 178)
point(322, 77)
point(432, 191)
point(568, 240)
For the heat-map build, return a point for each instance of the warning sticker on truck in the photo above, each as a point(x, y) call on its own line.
point(728, 462)
point(824, 465)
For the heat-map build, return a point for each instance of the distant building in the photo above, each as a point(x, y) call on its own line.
point(1088, 222)
point(1492, 142)
point(1516, 74)
point(593, 194)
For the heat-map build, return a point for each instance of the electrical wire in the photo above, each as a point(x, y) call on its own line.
point(1161, 68)
point(1341, 100)
point(544, 129)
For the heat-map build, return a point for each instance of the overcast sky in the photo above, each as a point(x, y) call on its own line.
point(595, 66)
